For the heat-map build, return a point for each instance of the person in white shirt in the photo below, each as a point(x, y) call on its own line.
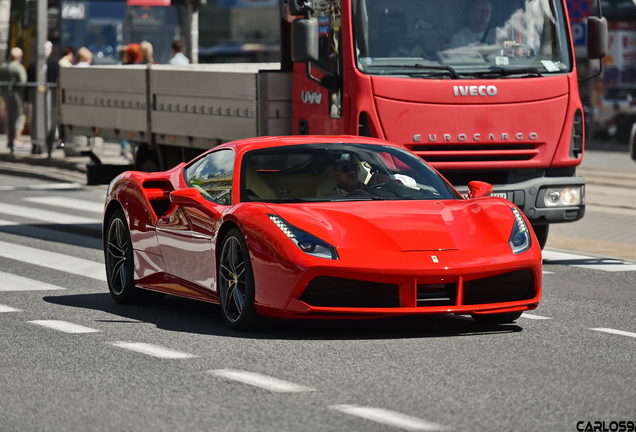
point(178, 58)
point(479, 31)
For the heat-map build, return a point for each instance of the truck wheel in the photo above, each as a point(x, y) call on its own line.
point(542, 234)
point(498, 318)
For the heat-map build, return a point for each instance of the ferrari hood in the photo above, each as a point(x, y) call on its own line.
point(403, 225)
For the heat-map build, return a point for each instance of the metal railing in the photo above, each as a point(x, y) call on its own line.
point(19, 105)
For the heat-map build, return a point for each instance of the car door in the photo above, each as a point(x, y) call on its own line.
point(186, 235)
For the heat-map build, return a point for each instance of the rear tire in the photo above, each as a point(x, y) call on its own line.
point(235, 282)
point(499, 318)
point(120, 263)
point(541, 232)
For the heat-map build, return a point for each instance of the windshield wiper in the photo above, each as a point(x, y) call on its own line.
point(449, 69)
point(506, 72)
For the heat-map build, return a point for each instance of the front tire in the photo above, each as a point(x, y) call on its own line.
point(236, 282)
point(499, 318)
point(120, 263)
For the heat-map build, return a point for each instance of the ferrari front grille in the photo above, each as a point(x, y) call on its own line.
point(329, 291)
point(436, 294)
point(508, 287)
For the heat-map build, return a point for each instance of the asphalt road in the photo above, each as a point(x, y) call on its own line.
point(174, 366)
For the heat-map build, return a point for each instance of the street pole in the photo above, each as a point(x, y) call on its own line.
point(39, 115)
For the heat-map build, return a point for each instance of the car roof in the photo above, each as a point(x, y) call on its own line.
point(248, 144)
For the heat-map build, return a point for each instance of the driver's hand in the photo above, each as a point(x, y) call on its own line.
point(379, 178)
point(508, 44)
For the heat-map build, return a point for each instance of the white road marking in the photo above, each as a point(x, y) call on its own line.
point(53, 260)
point(7, 223)
point(262, 381)
point(4, 308)
point(612, 331)
point(68, 203)
point(536, 317)
point(11, 282)
point(547, 272)
point(582, 261)
point(153, 350)
point(45, 215)
point(7, 188)
point(390, 418)
point(58, 186)
point(64, 326)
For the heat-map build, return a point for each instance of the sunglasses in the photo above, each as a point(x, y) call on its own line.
point(351, 167)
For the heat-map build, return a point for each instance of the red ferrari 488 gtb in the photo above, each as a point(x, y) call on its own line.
point(318, 227)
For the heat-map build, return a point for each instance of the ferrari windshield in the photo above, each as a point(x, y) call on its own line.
point(339, 172)
point(461, 38)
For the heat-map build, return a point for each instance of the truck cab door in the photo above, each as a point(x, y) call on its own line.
point(318, 110)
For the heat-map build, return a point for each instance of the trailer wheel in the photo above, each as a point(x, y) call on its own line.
point(542, 234)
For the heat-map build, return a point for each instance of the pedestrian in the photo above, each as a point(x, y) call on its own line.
point(178, 58)
point(14, 75)
point(146, 53)
point(68, 56)
point(84, 57)
point(133, 54)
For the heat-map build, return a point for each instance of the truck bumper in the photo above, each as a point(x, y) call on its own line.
point(529, 196)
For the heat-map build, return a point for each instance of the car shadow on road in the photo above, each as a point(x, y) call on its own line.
point(190, 316)
point(83, 235)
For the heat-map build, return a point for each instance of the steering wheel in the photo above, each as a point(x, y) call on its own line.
point(522, 50)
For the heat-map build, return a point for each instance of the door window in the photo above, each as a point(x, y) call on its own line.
point(212, 175)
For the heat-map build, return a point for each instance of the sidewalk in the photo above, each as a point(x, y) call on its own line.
point(59, 167)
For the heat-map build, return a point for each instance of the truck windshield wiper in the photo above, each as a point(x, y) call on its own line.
point(449, 69)
point(506, 72)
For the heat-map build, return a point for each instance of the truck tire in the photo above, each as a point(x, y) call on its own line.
point(541, 232)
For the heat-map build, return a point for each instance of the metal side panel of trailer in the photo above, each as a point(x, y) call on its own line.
point(106, 101)
point(203, 107)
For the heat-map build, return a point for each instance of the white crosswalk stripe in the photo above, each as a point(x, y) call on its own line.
point(45, 215)
point(11, 282)
point(53, 260)
point(390, 418)
point(46, 186)
point(261, 381)
point(153, 350)
point(64, 326)
point(588, 262)
point(4, 308)
point(68, 203)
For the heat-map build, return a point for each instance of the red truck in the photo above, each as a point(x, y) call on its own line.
point(481, 89)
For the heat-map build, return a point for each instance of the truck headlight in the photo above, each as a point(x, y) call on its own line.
point(563, 196)
point(520, 236)
point(306, 242)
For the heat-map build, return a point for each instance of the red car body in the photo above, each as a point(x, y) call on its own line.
point(433, 256)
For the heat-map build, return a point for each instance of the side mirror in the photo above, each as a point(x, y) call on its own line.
point(297, 7)
point(188, 197)
point(478, 189)
point(304, 40)
point(597, 38)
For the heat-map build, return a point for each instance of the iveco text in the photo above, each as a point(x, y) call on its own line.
point(473, 90)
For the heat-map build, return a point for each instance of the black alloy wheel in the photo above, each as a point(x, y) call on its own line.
point(120, 263)
point(235, 282)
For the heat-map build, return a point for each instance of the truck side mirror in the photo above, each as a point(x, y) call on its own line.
point(304, 40)
point(597, 38)
point(298, 7)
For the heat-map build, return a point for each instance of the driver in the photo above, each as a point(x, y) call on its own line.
point(347, 169)
point(479, 30)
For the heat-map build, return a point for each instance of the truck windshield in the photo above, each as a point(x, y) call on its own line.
point(459, 39)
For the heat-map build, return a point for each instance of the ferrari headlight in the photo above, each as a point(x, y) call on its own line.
point(563, 196)
point(520, 236)
point(306, 242)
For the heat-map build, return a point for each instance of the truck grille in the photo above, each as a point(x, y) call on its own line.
point(475, 153)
